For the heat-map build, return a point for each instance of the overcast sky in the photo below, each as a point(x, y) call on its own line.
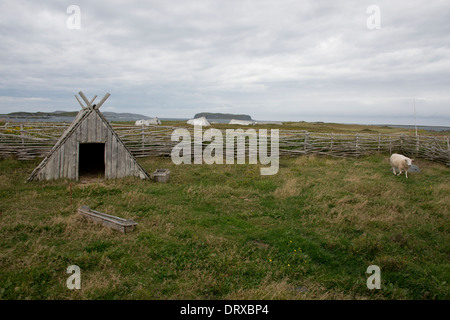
point(274, 60)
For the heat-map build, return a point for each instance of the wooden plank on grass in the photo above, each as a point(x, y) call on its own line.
point(123, 225)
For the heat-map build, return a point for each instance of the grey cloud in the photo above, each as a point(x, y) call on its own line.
point(284, 60)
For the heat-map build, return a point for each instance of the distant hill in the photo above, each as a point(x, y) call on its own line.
point(59, 115)
point(39, 114)
point(211, 115)
point(113, 116)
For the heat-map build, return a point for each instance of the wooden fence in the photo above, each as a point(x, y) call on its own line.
point(30, 140)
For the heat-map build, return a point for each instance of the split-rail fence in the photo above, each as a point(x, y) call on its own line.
point(30, 140)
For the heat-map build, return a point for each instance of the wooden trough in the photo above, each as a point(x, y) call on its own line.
point(161, 175)
point(107, 220)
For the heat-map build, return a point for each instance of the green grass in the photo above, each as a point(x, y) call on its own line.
point(226, 232)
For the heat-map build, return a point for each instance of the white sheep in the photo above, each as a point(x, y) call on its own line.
point(401, 163)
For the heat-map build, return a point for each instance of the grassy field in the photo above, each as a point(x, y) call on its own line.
point(226, 232)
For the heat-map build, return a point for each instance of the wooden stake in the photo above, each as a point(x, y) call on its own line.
point(82, 106)
point(102, 101)
point(93, 99)
point(85, 99)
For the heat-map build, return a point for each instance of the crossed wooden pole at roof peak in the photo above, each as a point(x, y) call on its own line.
point(89, 104)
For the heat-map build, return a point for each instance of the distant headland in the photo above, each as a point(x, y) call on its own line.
point(60, 116)
point(223, 116)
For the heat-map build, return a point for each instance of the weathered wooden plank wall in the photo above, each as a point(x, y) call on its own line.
point(63, 158)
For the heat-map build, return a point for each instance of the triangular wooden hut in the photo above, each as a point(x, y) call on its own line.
point(89, 146)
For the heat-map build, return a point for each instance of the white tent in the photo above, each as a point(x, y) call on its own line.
point(242, 122)
point(147, 122)
point(141, 123)
point(155, 120)
point(199, 122)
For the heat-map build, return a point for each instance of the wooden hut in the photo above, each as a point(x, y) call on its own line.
point(90, 146)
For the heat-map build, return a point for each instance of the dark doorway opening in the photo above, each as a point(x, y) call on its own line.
point(91, 161)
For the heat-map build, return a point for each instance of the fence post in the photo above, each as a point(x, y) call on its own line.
point(390, 145)
point(332, 142)
point(417, 145)
point(305, 143)
point(142, 136)
point(21, 134)
point(448, 149)
point(357, 143)
point(434, 148)
point(379, 142)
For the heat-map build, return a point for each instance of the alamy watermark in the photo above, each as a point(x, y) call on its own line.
point(74, 281)
point(74, 20)
point(373, 22)
point(214, 151)
point(374, 281)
